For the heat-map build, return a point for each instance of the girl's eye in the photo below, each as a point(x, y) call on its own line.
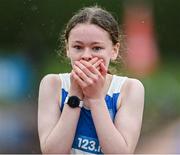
point(97, 48)
point(77, 47)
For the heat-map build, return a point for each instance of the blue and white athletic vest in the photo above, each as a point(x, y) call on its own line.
point(86, 140)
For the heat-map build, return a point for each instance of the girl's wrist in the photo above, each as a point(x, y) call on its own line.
point(94, 101)
point(71, 93)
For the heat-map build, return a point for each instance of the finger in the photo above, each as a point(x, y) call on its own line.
point(86, 70)
point(71, 75)
point(93, 60)
point(81, 73)
point(97, 63)
point(90, 67)
point(103, 69)
point(80, 82)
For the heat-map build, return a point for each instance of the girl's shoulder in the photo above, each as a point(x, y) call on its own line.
point(132, 87)
point(49, 90)
point(50, 79)
point(124, 82)
point(132, 83)
point(54, 79)
point(50, 83)
point(132, 90)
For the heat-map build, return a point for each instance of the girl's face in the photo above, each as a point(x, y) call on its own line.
point(87, 41)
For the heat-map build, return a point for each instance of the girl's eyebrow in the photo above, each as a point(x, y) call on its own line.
point(93, 43)
point(79, 42)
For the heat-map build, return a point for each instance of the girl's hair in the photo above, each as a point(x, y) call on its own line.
point(97, 16)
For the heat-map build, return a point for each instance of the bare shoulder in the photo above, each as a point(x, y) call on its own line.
point(50, 79)
point(134, 84)
point(133, 90)
point(49, 88)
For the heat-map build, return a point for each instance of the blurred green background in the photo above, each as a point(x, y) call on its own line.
point(29, 39)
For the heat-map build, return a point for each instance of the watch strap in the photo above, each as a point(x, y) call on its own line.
point(81, 104)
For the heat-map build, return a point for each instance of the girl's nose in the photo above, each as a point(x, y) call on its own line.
point(87, 55)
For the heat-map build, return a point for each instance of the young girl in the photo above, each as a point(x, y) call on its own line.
point(89, 110)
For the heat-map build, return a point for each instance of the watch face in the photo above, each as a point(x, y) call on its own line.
point(73, 101)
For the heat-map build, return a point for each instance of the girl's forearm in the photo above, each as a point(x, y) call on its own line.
point(111, 140)
point(63, 133)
